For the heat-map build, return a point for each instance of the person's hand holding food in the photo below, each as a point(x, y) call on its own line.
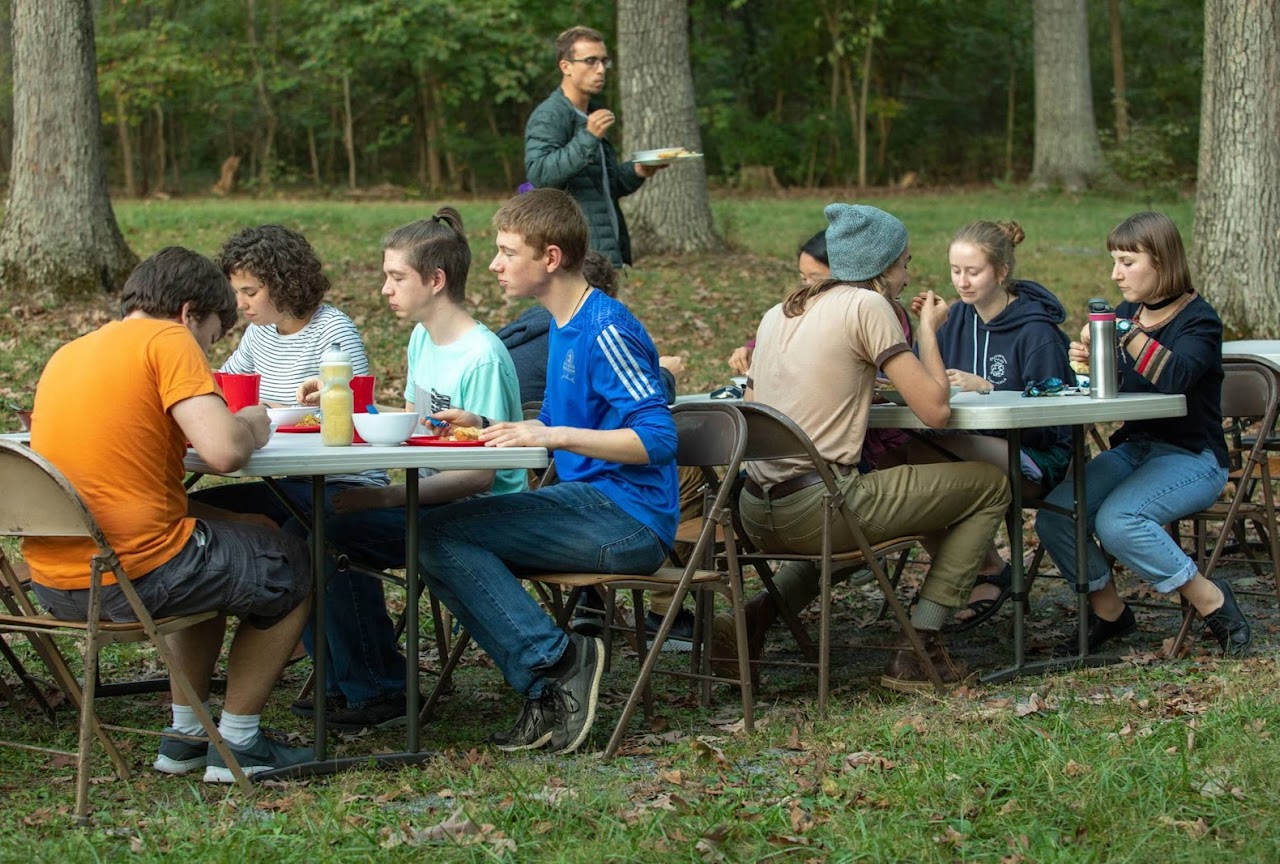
point(309, 392)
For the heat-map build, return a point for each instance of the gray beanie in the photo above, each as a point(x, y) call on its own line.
point(862, 241)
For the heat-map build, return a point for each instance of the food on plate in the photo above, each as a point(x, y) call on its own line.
point(462, 433)
point(309, 420)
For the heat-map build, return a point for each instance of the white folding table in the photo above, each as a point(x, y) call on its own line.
point(304, 455)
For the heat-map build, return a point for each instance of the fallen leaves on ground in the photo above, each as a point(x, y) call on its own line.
point(458, 830)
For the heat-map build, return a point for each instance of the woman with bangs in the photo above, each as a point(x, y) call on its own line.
point(1168, 340)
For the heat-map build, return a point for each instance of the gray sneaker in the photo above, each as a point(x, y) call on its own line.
point(561, 717)
point(573, 696)
point(180, 756)
point(260, 754)
point(531, 731)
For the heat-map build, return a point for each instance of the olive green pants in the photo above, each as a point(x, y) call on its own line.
point(959, 506)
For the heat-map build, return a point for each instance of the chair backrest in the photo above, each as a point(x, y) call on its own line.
point(773, 435)
point(39, 501)
point(1249, 390)
point(709, 435)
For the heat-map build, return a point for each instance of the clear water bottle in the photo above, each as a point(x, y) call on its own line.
point(1103, 377)
point(336, 426)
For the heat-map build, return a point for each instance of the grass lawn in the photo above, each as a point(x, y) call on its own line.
point(1146, 761)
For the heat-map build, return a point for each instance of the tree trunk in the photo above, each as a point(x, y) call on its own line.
point(126, 144)
point(315, 156)
point(508, 173)
point(1067, 152)
point(265, 159)
point(1011, 107)
point(59, 239)
point(348, 131)
point(672, 211)
point(1236, 257)
point(862, 102)
point(1119, 97)
point(161, 151)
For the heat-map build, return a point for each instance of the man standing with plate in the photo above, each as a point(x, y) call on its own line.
point(565, 145)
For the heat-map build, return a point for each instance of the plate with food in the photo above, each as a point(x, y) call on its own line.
point(663, 156)
point(453, 436)
point(307, 423)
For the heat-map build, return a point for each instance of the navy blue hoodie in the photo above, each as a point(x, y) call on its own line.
point(1024, 343)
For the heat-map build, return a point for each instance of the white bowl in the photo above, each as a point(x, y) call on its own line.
point(290, 416)
point(386, 428)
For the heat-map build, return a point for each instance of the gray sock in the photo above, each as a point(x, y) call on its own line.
point(929, 615)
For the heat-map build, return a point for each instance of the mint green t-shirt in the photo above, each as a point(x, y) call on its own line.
point(474, 373)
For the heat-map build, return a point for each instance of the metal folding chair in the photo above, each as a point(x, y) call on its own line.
point(772, 435)
point(1250, 392)
point(710, 436)
point(40, 502)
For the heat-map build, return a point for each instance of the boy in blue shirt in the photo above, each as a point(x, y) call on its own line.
point(605, 417)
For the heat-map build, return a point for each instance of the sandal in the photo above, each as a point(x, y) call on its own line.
point(986, 607)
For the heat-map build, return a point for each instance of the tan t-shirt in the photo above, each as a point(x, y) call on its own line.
point(819, 369)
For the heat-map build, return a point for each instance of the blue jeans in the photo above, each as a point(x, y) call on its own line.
point(1132, 492)
point(471, 551)
point(364, 663)
point(257, 497)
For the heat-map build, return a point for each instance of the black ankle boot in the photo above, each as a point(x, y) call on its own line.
point(1228, 624)
point(1101, 631)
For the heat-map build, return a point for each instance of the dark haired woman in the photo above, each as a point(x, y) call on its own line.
point(1157, 471)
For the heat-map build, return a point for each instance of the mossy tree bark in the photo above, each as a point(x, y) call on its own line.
point(59, 239)
point(1236, 256)
point(672, 211)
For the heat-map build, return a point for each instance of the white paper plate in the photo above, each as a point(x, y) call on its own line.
point(657, 157)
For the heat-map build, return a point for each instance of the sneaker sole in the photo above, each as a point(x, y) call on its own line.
point(213, 774)
point(592, 699)
point(165, 765)
point(516, 748)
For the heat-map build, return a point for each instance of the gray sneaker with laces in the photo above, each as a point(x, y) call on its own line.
point(260, 754)
point(180, 756)
point(561, 718)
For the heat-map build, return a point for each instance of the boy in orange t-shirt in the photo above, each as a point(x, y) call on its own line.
point(154, 392)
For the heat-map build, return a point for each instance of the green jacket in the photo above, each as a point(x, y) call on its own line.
point(560, 152)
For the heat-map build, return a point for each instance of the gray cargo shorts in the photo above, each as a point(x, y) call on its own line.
point(258, 574)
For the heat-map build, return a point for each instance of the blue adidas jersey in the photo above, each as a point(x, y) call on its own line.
point(602, 373)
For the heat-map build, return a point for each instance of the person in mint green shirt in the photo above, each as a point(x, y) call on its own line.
point(454, 361)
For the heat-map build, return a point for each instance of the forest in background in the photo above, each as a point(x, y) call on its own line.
point(432, 95)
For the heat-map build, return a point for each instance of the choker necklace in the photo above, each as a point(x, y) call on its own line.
point(1168, 301)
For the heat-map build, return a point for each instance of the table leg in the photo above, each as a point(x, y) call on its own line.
point(1082, 539)
point(319, 641)
point(1016, 569)
point(411, 608)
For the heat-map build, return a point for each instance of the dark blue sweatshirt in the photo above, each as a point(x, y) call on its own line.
point(1187, 360)
point(1024, 343)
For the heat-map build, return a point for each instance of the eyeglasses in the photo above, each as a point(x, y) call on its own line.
point(1047, 387)
point(594, 62)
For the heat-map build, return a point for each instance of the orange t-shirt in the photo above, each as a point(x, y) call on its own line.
point(102, 417)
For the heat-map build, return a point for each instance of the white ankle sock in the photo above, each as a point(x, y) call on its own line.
point(239, 729)
point(185, 721)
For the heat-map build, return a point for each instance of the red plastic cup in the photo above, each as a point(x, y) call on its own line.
point(239, 391)
point(362, 392)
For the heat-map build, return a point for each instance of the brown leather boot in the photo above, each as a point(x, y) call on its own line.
point(760, 613)
point(906, 674)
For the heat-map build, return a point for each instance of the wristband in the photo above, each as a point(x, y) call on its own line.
point(484, 422)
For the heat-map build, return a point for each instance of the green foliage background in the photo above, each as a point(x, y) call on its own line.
point(468, 72)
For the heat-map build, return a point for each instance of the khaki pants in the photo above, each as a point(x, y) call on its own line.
point(959, 506)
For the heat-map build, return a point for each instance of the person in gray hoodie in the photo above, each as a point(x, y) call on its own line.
point(1004, 334)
